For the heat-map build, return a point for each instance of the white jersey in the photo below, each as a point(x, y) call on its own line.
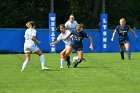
point(68, 40)
point(71, 26)
point(28, 37)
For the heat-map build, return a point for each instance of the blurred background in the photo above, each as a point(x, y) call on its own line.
point(15, 13)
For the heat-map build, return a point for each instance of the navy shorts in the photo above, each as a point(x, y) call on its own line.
point(122, 42)
point(77, 47)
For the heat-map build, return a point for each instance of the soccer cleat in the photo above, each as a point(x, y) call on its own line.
point(61, 66)
point(122, 58)
point(84, 59)
point(75, 64)
point(45, 68)
point(21, 70)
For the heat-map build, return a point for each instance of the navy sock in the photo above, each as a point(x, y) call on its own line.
point(68, 59)
point(122, 55)
point(129, 54)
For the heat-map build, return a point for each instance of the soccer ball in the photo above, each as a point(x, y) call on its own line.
point(76, 59)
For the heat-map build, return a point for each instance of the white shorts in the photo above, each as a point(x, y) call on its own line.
point(31, 49)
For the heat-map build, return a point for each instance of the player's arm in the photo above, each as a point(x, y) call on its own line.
point(133, 32)
point(91, 42)
point(67, 36)
point(35, 40)
point(54, 43)
point(114, 33)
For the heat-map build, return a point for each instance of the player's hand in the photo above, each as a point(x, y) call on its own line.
point(38, 42)
point(71, 36)
point(51, 44)
point(91, 47)
point(112, 39)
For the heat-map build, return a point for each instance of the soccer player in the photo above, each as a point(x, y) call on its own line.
point(71, 23)
point(65, 37)
point(30, 45)
point(122, 30)
point(77, 44)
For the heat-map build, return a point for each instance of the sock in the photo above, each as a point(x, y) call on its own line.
point(42, 60)
point(24, 64)
point(122, 55)
point(68, 59)
point(80, 61)
point(129, 54)
point(62, 62)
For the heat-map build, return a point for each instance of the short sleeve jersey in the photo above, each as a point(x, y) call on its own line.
point(71, 26)
point(28, 37)
point(78, 37)
point(123, 32)
point(68, 40)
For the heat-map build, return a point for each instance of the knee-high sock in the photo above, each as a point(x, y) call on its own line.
point(62, 62)
point(24, 64)
point(42, 60)
point(122, 55)
point(129, 54)
point(68, 59)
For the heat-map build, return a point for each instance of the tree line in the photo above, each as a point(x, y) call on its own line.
point(15, 13)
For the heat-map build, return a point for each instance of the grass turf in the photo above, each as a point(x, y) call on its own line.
point(101, 73)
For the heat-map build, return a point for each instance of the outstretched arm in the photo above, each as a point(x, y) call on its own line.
point(54, 43)
point(114, 33)
point(133, 32)
point(91, 42)
point(66, 36)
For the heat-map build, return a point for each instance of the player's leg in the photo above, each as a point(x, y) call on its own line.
point(42, 59)
point(68, 51)
point(80, 55)
point(27, 59)
point(122, 51)
point(67, 55)
point(68, 61)
point(127, 47)
point(67, 58)
point(62, 58)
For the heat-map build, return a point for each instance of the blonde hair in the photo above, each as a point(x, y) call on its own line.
point(30, 24)
point(122, 19)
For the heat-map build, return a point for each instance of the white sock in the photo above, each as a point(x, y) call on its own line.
point(62, 62)
point(42, 60)
point(24, 64)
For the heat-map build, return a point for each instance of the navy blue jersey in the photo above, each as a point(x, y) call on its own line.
point(78, 37)
point(123, 32)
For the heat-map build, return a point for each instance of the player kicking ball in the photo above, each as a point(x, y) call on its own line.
point(77, 45)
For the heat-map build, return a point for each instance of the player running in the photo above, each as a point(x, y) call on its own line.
point(77, 44)
point(122, 30)
point(30, 45)
point(64, 36)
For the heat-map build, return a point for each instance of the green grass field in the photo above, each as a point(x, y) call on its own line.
point(102, 73)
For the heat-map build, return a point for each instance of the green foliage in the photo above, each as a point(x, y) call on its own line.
point(15, 13)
